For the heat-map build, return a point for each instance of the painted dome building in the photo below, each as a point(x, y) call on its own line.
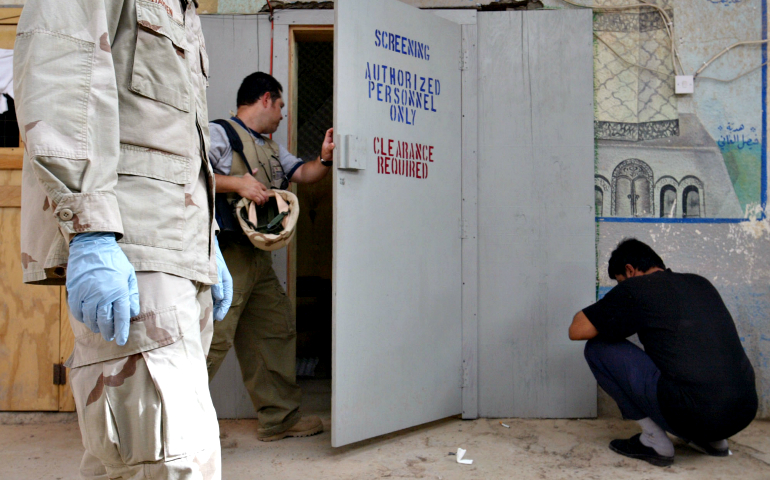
point(674, 177)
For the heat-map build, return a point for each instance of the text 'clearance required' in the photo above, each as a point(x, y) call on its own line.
point(402, 158)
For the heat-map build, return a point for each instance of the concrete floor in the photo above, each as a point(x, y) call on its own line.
point(48, 447)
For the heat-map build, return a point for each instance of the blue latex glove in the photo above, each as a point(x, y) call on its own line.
point(101, 285)
point(222, 291)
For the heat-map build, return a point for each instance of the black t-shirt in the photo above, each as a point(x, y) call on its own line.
point(706, 389)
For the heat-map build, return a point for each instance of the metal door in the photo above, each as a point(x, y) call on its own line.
point(397, 203)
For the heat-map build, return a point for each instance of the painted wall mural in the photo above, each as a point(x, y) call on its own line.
point(682, 176)
point(655, 157)
point(633, 74)
point(696, 195)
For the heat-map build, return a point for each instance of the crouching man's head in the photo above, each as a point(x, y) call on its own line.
point(632, 258)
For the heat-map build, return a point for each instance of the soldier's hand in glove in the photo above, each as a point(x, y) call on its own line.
point(101, 285)
point(222, 291)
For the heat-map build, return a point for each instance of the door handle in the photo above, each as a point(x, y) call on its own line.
point(352, 152)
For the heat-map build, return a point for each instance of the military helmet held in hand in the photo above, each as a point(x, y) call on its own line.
point(270, 226)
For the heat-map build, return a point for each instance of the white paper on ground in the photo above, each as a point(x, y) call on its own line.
point(460, 454)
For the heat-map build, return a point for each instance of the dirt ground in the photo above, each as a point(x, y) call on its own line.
point(48, 447)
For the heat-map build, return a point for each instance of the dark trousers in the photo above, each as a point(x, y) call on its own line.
point(629, 376)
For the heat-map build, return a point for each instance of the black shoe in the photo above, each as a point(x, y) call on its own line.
point(633, 448)
point(704, 447)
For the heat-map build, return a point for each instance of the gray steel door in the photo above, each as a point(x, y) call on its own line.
point(397, 203)
point(536, 211)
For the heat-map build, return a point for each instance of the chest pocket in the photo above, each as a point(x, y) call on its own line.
point(160, 69)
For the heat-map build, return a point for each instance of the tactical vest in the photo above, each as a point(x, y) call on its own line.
point(264, 161)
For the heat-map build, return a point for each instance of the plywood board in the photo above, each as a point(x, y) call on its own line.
point(29, 328)
point(536, 219)
point(10, 196)
point(9, 17)
point(11, 158)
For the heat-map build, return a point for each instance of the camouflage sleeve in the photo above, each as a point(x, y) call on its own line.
point(67, 108)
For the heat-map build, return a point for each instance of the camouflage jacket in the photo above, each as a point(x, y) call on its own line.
point(111, 104)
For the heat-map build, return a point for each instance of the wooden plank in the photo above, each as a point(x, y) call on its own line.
point(292, 95)
point(281, 72)
point(11, 158)
point(313, 33)
point(292, 92)
point(66, 344)
point(29, 328)
point(304, 17)
point(9, 15)
point(470, 212)
point(7, 36)
point(10, 196)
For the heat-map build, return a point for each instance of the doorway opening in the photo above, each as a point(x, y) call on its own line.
point(310, 258)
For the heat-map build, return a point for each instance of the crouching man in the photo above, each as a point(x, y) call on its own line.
point(692, 379)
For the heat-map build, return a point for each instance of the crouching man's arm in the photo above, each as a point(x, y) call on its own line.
point(582, 328)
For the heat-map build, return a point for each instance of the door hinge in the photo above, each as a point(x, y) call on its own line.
point(463, 59)
point(59, 374)
point(465, 381)
point(463, 229)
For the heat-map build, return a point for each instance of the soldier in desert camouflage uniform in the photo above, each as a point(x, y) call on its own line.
point(111, 103)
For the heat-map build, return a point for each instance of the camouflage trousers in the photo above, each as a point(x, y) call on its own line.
point(144, 409)
point(261, 327)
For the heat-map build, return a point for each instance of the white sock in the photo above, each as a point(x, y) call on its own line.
point(655, 437)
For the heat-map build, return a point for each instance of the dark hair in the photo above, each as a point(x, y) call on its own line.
point(632, 252)
point(256, 85)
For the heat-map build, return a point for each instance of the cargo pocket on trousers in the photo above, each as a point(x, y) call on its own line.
point(150, 193)
point(189, 423)
point(285, 307)
point(119, 411)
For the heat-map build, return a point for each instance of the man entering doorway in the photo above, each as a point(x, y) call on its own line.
point(260, 324)
point(692, 379)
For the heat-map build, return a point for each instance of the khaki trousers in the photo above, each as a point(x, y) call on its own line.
point(261, 327)
point(148, 414)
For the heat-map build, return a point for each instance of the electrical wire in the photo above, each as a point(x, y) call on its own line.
point(272, 34)
point(732, 79)
point(272, 40)
point(738, 44)
point(667, 23)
